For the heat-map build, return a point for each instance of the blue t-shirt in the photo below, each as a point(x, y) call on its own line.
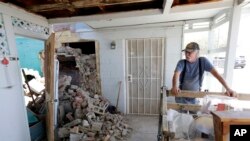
point(191, 78)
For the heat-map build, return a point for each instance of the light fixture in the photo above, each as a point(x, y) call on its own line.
point(112, 45)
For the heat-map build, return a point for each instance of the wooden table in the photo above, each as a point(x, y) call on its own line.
point(223, 120)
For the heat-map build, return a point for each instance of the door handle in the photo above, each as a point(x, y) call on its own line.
point(129, 78)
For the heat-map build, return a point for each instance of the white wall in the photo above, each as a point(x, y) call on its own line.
point(173, 53)
point(113, 61)
point(13, 115)
point(14, 123)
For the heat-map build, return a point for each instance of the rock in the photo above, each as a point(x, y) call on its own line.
point(96, 96)
point(91, 134)
point(85, 123)
point(78, 113)
point(63, 132)
point(84, 104)
point(111, 132)
point(74, 130)
point(70, 91)
point(69, 116)
point(112, 138)
point(124, 132)
point(73, 123)
point(106, 138)
point(74, 87)
point(97, 126)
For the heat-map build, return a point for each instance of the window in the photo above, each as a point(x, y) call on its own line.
point(241, 75)
point(201, 37)
point(220, 18)
point(220, 35)
point(200, 33)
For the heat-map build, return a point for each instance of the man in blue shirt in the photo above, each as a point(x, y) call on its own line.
point(190, 71)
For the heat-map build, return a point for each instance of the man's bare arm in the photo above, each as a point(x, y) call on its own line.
point(229, 91)
point(175, 89)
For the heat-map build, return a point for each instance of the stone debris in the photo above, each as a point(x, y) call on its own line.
point(75, 130)
point(73, 123)
point(96, 126)
point(63, 132)
point(85, 123)
point(76, 137)
point(107, 138)
point(69, 116)
point(89, 77)
point(83, 112)
point(86, 116)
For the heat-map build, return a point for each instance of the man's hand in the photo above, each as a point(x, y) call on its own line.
point(230, 93)
point(175, 91)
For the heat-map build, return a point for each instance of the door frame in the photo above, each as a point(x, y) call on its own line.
point(50, 85)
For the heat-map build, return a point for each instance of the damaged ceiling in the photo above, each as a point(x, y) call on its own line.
point(71, 8)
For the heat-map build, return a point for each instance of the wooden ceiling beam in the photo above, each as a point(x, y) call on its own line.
point(50, 7)
point(81, 4)
point(185, 2)
point(167, 6)
point(87, 3)
point(102, 8)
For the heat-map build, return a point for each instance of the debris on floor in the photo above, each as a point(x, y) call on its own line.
point(83, 116)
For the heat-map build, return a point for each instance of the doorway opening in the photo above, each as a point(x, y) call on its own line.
point(30, 54)
point(79, 60)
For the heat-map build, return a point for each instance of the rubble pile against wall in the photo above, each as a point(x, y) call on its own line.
point(89, 80)
point(83, 111)
point(83, 116)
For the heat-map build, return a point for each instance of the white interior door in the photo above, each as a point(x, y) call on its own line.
point(144, 75)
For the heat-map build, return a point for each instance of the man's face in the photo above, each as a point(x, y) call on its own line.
point(191, 56)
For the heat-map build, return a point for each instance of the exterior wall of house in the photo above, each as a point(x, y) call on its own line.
point(14, 122)
point(113, 63)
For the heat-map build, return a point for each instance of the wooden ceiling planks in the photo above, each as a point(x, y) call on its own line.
point(70, 8)
point(185, 2)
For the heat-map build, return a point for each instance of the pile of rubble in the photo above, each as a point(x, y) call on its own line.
point(88, 73)
point(87, 67)
point(84, 116)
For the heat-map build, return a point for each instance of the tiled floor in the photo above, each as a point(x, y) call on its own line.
point(145, 128)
